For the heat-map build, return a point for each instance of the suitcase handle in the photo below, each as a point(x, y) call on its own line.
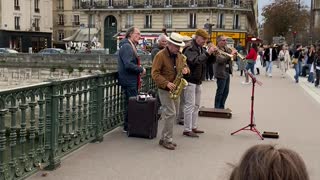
point(142, 98)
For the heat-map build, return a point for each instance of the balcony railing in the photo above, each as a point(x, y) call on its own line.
point(147, 26)
point(37, 10)
point(236, 27)
point(60, 23)
point(104, 4)
point(37, 28)
point(42, 123)
point(17, 27)
point(60, 8)
point(76, 23)
point(17, 8)
point(192, 26)
point(220, 26)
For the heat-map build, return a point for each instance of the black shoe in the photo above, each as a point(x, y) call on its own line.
point(181, 123)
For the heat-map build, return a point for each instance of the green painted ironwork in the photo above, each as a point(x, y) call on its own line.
point(40, 124)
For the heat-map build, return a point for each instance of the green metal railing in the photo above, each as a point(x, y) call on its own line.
point(40, 124)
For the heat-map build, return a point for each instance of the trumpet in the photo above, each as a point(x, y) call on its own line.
point(242, 57)
point(220, 52)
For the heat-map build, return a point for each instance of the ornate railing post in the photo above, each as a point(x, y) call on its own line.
point(99, 98)
point(54, 160)
point(4, 174)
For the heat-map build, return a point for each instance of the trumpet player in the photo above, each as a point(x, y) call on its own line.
point(223, 69)
point(197, 57)
point(166, 65)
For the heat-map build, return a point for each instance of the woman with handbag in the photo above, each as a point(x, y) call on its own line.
point(284, 57)
point(251, 61)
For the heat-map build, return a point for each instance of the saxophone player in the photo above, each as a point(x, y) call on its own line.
point(223, 69)
point(167, 64)
point(197, 57)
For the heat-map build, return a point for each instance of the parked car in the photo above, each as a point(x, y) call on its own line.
point(8, 51)
point(51, 51)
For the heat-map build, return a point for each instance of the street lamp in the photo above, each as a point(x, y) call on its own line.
point(89, 24)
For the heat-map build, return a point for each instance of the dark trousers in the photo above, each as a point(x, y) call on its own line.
point(209, 71)
point(222, 92)
point(318, 77)
point(129, 91)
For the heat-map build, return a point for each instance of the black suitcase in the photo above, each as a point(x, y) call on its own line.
point(142, 117)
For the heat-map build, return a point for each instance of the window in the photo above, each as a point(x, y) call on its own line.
point(130, 3)
point(193, 3)
point(220, 1)
point(60, 5)
point(16, 5)
point(17, 23)
point(236, 2)
point(37, 24)
point(110, 3)
point(168, 20)
point(76, 4)
point(129, 22)
point(192, 20)
point(236, 21)
point(168, 3)
point(148, 3)
point(220, 23)
point(148, 21)
point(61, 19)
point(76, 20)
point(60, 35)
point(36, 6)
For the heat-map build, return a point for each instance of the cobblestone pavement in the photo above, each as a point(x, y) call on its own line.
point(280, 105)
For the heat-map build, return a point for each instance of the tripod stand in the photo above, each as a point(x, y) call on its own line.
point(251, 126)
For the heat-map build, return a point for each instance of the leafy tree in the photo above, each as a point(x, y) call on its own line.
point(283, 17)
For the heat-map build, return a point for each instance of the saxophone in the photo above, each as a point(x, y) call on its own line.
point(179, 81)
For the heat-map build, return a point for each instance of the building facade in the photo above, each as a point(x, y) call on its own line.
point(66, 20)
point(234, 18)
point(25, 24)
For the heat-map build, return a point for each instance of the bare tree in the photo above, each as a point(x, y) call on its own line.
point(282, 18)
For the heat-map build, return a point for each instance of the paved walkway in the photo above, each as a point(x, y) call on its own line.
point(280, 105)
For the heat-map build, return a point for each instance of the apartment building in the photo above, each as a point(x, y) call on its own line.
point(66, 20)
point(25, 24)
point(234, 18)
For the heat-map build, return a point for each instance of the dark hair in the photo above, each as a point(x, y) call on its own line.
point(264, 162)
point(130, 31)
point(255, 46)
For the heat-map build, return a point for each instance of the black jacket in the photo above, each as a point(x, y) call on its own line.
point(196, 59)
point(267, 54)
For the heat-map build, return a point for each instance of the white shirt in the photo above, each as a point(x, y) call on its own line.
point(270, 55)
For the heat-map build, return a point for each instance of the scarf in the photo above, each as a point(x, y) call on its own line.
point(138, 63)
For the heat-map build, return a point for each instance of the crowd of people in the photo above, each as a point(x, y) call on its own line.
point(175, 54)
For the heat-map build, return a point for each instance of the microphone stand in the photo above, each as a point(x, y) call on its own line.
point(252, 125)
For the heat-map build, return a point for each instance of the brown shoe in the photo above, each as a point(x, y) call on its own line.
point(197, 131)
point(167, 145)
point(190, 134)
point(173, 143)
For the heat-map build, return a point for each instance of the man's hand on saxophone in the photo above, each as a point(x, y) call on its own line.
point(171, 86)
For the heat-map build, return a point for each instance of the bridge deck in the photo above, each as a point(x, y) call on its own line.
point(281, 105)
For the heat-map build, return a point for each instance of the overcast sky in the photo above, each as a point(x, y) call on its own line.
point(262, 3)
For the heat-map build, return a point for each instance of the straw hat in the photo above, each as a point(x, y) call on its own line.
point(176, 39)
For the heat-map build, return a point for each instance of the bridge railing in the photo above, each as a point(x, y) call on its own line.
point(40, 124)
